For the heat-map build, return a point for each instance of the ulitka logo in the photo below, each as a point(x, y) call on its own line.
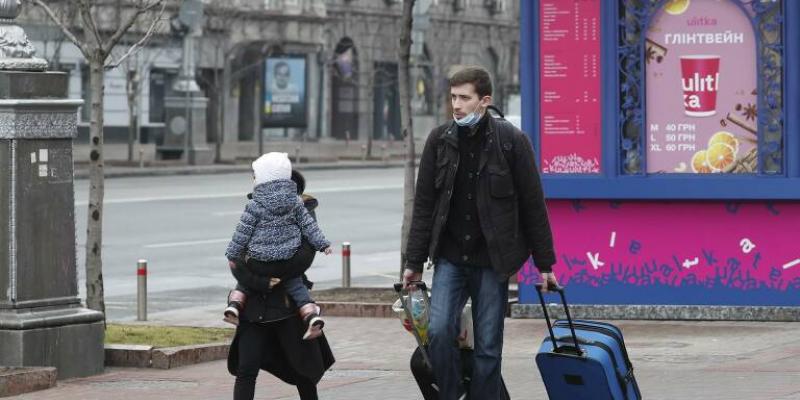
point(700, 82)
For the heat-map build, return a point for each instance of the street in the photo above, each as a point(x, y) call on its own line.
point(182, 224)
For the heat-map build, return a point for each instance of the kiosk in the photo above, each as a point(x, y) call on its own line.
point(668, 136)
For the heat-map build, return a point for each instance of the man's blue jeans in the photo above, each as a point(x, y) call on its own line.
point(452, 285)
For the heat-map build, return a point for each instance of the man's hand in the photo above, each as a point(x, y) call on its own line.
point(232, 264)
point(410, 276)
point(327, 251)
point(548, 280)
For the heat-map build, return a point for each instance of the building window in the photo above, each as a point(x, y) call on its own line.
point(160, 87)
point(495, 6)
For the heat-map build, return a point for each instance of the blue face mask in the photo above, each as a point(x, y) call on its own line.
point(469, 120)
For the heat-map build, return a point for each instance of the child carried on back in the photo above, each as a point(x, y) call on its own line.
point(271, 228)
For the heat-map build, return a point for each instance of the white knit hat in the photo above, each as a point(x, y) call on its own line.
point(271, 167)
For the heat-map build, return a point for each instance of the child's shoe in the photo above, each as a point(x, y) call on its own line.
point(314, 323)
point(231, 314)
point(236, 302)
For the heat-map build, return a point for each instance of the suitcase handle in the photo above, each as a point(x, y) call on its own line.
point(398, 287)
point(560, 291)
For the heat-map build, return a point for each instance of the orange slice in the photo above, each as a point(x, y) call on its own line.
point(724, 137)
point(676, 7)
point(721, 157)
point(700, 163)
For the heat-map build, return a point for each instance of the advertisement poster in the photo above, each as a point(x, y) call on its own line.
point(570, 123)
point(285, 92)
point(701, 89)
point(690, 253)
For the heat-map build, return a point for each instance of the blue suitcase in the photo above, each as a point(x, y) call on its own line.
point(584, 360)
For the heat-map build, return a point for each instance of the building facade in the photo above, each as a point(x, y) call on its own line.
point(337, 57)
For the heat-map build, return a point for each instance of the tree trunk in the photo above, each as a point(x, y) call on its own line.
point(220, 85)
point(133, 111)
point(94, 226)
point(404, 55)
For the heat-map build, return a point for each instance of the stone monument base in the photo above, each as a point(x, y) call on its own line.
point(69, 339)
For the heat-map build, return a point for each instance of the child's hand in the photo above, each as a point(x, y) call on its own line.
point(327, 251)
point(231, 264)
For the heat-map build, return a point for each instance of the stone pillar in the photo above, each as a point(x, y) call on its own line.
point(42, 322)
point(183, 119)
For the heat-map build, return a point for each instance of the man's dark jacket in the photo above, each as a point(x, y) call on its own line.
point(511, 206)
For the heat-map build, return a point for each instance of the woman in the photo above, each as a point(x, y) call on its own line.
point(269, 335)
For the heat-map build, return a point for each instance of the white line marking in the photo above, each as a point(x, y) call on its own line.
point(189, 243)
point(226, 213)
point(791, 264)
point(395, 277)
point(240, 194)
point(613, 239)
point(164, 198)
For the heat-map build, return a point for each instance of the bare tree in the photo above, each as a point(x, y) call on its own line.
point(404, 56)
point(52, 38)
point(97, 42)
point(223, 18)
point(133, 79)
point(136, 66)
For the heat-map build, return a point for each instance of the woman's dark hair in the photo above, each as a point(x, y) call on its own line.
point(477, 76)
point(299, 180)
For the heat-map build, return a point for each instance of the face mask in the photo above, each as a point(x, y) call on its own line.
point(470, 119)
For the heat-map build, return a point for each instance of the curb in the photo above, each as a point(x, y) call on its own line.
point(19, 380)
point(128, 172)
point(128, 355)
point(374, 310)
point(662, 312)
point(137, 356)
point(356, 309)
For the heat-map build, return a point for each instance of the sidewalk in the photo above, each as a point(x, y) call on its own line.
point(673, 361)
point(118, 171)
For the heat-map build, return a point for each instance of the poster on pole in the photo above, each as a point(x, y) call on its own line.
point(570, 91)
point(285, 100)
point(701, 79)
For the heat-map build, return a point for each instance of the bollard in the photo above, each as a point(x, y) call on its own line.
point(141, 157)
point(141, 290)
point(297, 155)
point(346, 264)
point(384, 153)
point(363, 152)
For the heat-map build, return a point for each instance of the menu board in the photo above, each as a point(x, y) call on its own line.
point(570, 125)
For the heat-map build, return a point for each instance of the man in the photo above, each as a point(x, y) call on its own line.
point(479, 213)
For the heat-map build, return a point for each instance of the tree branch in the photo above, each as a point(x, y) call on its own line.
point(117, 36)
point(142, 41)
point(89, 22)
point(63, 26)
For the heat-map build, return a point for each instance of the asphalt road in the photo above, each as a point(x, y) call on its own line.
point(182, 224)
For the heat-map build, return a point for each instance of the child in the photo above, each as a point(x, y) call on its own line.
point(271, 229)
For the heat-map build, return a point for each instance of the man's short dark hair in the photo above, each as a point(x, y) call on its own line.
point(281, 64)
point(477, 76)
